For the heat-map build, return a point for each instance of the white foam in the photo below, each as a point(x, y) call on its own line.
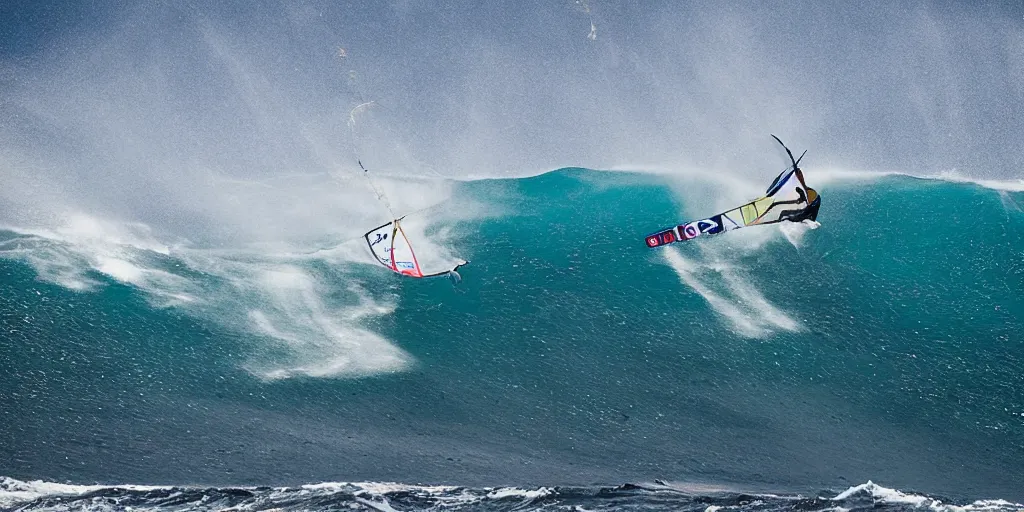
point(65, 255)
point(740, 303)
point(883, 494)
point(795, 231)
point(321, 342)
point(380, 487)
point(263, 293)
point(15, 492)
point(164, 288)
point(511, 492)
point(119, 269)
point(886, 495)
point(381, 505)
point(765, 312)
point(81, 227)
point(444, 495)
point(686, 272)
point(52, 263)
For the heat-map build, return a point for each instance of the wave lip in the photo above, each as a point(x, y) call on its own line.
point(828, 176)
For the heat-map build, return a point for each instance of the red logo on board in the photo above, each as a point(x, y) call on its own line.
point(689, 231)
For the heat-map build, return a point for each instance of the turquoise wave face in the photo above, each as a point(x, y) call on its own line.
point(883, 345)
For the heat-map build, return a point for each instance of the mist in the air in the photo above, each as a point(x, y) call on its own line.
point(222, 121)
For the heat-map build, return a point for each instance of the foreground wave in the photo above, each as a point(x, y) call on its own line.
point(882, 344)
point(38, 496)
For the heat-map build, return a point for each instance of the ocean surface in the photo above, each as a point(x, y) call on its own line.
point(873, 361)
